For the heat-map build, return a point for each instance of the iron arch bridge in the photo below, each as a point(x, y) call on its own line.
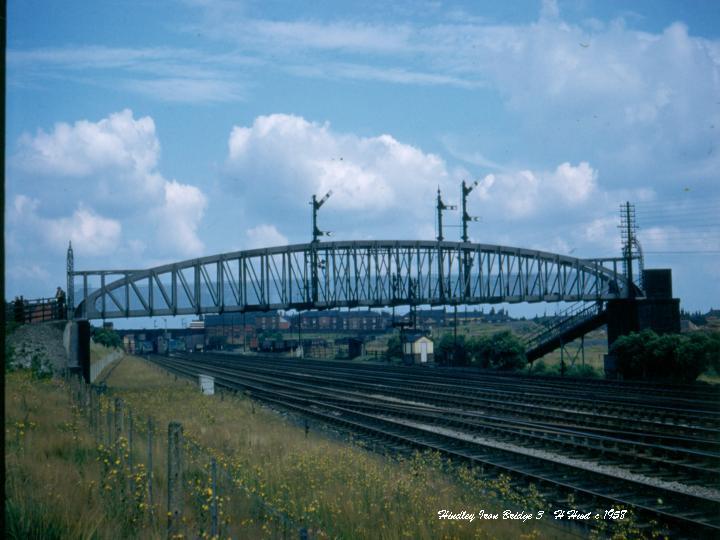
point(347, 274)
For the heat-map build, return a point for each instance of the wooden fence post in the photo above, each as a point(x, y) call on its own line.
point(150, 463)
point(108, 418)
point(86, 401)
point(175, 485)
point(91, 410)
point(118, 419)
point(130, 450)
point(214, 503)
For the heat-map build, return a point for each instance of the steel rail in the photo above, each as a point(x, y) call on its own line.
point(594, 402)
point(679, 509)
point(677, 396)
point(526, 407)
point(700, 466)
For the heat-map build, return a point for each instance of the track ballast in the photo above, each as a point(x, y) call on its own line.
point(650, 447)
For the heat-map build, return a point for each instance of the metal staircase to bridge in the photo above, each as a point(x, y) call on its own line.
point(570, 326)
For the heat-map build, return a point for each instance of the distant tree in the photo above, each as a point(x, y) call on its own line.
point(664, 358)
point(461, 354)
point(538, 367)
point(699, 351)
point(450, 351)
point(695, 317)
point(502, 350)
point(269, 335)
point(585, 370)
point(673, 357)
point(394, 348)
point(107, 337)
point(444, 350)
point(632, 354)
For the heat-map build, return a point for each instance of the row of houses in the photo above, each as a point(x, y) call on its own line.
point(417, 347)
point(353, 321)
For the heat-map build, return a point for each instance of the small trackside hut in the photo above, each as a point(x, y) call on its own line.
point(418, 349)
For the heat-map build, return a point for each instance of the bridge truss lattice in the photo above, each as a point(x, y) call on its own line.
point(347, 274)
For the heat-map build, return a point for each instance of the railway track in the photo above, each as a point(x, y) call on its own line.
point(677, 427)
point(666, 468)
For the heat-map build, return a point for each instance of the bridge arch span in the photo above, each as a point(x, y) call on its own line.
point(365, 273)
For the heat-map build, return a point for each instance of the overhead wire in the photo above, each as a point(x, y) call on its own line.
point(668, 202)
point(688, 252)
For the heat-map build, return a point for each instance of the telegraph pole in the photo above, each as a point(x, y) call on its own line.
point(628, 229)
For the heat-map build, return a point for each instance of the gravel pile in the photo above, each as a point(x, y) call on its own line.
point(42, 342)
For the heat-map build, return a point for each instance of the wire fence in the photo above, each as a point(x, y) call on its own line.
point(158, 478)
point(96, 368)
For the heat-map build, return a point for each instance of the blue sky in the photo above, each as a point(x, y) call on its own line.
point(150, 132)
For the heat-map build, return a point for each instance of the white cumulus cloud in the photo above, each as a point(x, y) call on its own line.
point(294, 158)
point(107, 171)
point(180, 215)
point(264, 236)
point(522, 193)
point(116, 142)
point(91, 233)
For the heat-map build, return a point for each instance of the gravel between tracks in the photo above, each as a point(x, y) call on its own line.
point(403, 401)
point(697, 491)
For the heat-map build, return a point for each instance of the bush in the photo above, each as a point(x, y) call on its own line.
point(675, 357)
point(539, 367)
point(633, 354)
point(501, 351)
point(107, 337)
point(583, 371)
point(40, 366)
point(452, 352)
point(9, 357)
point(394, 349)
point(700, 350)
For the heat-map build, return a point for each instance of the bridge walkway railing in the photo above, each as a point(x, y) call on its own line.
point(26, 311)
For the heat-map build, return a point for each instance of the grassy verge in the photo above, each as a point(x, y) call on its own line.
point(334, 488)
point(62, 482)
point(51, 476)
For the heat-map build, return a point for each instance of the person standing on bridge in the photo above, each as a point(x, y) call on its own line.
point(60, 300)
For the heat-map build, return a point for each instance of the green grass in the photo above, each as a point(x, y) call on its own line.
point(32, 520)
point(98, 352)
point(60, 483)
point(317, 480)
